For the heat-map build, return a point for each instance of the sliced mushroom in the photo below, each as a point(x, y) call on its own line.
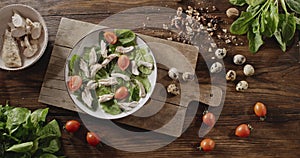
point(128, 106)
point(94, 69)
point(18, 20)
point(92, 57)
point(134, 68)
point(105, 98)
point(109, 59)
point(146, 64)
point(17, 32)
point(103, 49)
point(124, 50)
point(92, 84)
point(30, 50)
point(84, 67)
point(87, 97)
point(119, 75)
point(36, 28)
point(108, 81)
point(142, 92)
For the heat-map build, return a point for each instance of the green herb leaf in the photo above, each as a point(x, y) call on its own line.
point(255, 2)
point(125, 36)
point(23, 147)
point(241, 25)
point(294, 5)
point(39, 116)
point(238, 2)
point(269, 20)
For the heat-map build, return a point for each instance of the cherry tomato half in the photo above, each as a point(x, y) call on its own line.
point(121, 93)
point(207, 145)
point(110, 37)
point(243, 130)
point(74, 83)
point(123, 62)
point(260, 110)
point(72, 126)
point(92, 138)
point(209, 119)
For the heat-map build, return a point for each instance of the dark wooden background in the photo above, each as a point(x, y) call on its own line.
point(276, 83)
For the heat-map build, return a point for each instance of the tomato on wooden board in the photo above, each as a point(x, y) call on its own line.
point(72, 126)
point(121, 93)
point(209, 119)
point(110, 37)
point(123, 62)
point(260, 110)
point(92, 138)
point(74, 83)
point(207, 144)
point(243, 130)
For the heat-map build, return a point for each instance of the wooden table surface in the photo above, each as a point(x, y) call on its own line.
point(276, 83)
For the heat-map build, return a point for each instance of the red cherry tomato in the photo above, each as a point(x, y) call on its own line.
point(72, 126)
point(123, 62)
point(207, 145)
point(209, 119)
point(74, 83)
point(121, 93)
point(260, 110)
point(110, 37)
point(243, 130)
point(92, 138)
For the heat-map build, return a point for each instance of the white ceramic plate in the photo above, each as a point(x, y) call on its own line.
point(27, 12)
point(92, 39)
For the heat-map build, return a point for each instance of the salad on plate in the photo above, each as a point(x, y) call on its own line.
point(114, 74)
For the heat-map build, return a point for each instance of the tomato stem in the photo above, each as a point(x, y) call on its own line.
point(250, 127)
point(262, 118)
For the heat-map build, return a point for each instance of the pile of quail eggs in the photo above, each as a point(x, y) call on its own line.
point(248, 70)
point(175, 76)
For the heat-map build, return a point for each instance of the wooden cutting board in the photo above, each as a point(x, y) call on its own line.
point(161, 114)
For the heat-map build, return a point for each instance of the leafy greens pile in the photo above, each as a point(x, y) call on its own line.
point(263, 19)
point(24, 134)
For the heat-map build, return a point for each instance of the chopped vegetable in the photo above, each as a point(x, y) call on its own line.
point(74, 83)
point(123, 62)
point(121, 93)
point(26, 134)
point(110, 37)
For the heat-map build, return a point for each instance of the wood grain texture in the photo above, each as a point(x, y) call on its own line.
point(276, 83)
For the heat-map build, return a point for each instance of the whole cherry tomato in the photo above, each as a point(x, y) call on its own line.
point(243, 130)
point(121, 93)
point(92, 138)
point(72, 126)
point(209, 119)
point(110, 37)
point(74, 83)
point(123, 62)
point(207, 145)
point(260, 110)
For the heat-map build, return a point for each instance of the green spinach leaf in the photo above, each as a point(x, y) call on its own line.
point(294, 5)
point(238, 2)
point(241, 25)
point(22, 147)
point(255, 2)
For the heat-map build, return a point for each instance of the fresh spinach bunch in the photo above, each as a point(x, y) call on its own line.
point(263, 19)
point(25, 134)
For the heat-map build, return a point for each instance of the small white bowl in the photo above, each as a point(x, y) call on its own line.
point(25, 11)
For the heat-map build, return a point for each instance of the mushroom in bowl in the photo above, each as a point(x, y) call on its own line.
point(23, 36)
